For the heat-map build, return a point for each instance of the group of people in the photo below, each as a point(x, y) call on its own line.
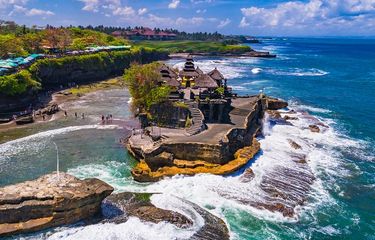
point(107, 119)
point(75, 115)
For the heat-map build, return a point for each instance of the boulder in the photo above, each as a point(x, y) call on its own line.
point(287, 117)
point(25, 120)
point(314, 128)
point(293, 144)
point(247, 176)
point(276, 104)
point(52, 109)
point(49, 201)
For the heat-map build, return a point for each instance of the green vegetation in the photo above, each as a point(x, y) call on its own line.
point(18, 83)
point(20, 41)
point(58, 70)
point(143, 84)
point(194, 47)
point(220, 90)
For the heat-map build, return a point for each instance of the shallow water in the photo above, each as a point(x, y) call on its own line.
point(331, 79)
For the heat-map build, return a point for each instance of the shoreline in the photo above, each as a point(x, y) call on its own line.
point(254, 53)
point(59, 97)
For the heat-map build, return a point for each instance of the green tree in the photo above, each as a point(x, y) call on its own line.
point(10, 44)
point(143, 84)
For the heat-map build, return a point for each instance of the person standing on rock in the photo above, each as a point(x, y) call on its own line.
point(65, 114)
point(76, 115)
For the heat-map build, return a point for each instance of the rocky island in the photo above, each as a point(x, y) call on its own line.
point(219, 128)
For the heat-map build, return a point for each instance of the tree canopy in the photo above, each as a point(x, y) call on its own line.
point(142, 82)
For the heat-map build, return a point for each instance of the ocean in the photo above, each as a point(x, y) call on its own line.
point(332, 80)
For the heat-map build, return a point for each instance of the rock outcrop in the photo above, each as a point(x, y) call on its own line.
point(49, 201)
point(117, 208)
point(314, 128)
point(143, 173)
point(276, 104)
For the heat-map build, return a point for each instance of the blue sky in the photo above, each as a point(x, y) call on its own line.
point(254, 17)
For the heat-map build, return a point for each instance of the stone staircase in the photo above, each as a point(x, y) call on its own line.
point(197, 119)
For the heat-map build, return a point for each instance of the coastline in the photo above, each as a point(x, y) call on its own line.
point(61, 96)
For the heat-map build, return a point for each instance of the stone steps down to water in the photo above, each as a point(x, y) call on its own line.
point(48, 202)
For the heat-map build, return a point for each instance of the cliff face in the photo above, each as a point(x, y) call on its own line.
point(78, 69)
point(48, 202)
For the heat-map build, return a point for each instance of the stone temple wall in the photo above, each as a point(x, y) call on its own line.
point(221, 153)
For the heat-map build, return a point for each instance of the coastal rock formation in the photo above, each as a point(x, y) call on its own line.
point(314, 128)
point(276, 104)
point(24, 120)
point(247, 176)
point(117, 208)
point(49, 110)
point(293, 144)
point(143, 173)
point(49, 201)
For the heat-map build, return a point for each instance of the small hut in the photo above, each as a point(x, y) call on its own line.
point(218, 77)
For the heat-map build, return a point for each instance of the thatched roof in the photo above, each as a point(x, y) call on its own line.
point(205, 81)
point(188, 73)
point(199, 71)
point(165, 70)
point(216, 75)
point(173, 82)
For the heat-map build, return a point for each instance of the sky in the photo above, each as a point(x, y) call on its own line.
point(250, 17)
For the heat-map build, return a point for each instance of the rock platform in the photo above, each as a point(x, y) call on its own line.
point(49, 201)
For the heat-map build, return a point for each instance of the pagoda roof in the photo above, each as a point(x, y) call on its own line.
point(216, 75)
point(205, 81)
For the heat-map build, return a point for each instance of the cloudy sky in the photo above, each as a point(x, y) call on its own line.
point(256, 17)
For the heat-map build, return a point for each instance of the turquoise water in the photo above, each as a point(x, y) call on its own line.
point(332, 79)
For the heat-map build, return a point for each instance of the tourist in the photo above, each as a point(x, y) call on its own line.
point(65, 114)
point(103, 119)
point(44, 117)
point(83, 116)
point(76, 115)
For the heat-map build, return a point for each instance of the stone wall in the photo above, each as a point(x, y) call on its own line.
point(168, 115)
point(221, 153)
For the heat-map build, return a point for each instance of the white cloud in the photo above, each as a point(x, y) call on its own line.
point(174, 4)
point(124, 11)
point(243, 22)
point(224, 23)
point(314, 15)
point(31, 12)
point(201, 11)
point(201, 1)
point(93, 5)
point(10, 3)
point(142, 11)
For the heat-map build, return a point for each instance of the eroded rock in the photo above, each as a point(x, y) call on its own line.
point(276, 104)
point(314, 128)
point(247, 176)
point(293, 144)
point(49, 201)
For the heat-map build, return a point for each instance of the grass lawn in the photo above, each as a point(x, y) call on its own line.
point(193, 47)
